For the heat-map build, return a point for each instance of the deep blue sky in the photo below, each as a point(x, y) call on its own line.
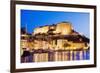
point(36, 18)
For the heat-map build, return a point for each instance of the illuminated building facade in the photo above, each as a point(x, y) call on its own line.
point(56, 43)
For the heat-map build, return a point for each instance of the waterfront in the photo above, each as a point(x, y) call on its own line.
point(53, 43)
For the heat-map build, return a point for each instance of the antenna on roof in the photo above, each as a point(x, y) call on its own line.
point(26, 28)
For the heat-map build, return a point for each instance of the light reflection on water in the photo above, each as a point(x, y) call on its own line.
point(56, 56)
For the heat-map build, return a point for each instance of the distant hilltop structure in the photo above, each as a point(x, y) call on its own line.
point(63, 28)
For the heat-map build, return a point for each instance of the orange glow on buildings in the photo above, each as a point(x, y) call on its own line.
point(60, 39)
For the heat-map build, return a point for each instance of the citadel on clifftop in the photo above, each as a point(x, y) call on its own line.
point(57, 42)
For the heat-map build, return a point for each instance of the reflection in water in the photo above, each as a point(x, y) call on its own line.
point(58, 55)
